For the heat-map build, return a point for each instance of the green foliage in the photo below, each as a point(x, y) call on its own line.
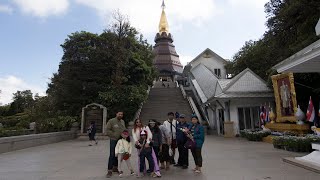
point(21, 101)
point(15, 120)
point(290, 28)
point(254, 135)
point(60, 123)
point(113, 69)
point(4, 110)
point(295, 143)
point(13, 132)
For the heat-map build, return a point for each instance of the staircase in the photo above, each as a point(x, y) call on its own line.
point(162, 100)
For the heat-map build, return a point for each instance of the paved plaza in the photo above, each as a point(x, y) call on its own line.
point(224, 159)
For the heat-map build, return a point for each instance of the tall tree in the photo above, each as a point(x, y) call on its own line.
point(113, 68)
point(21, 101)
point(290, 28)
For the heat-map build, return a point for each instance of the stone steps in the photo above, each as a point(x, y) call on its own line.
point(163, 100)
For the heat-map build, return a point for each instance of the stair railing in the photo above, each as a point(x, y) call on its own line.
point(138, 112)
point(191, 103)
point(183, 92)
point(194, 108)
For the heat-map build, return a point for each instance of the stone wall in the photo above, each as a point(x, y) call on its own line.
point(20, 142)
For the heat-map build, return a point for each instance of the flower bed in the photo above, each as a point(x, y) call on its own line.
point(254, 135)
point(295, 143)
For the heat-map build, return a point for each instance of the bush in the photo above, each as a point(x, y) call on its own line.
point(295, 143)
point(254, 135)
point(60, 123)
point(13, 132)
point(13, 121)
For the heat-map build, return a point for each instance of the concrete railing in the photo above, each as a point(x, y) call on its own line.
point(137, 114)
point(194, 108)
point(25, 141)
point(184, 94)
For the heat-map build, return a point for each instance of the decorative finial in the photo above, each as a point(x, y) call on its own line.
point(163, 25)
point(163, 5)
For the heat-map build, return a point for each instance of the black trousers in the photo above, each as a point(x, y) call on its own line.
point(183, 154)
point(164, 157)
point(196, 153)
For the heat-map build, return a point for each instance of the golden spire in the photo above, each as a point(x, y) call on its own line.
point(163, 25)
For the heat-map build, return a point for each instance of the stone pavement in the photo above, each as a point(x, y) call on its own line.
point(224, 159)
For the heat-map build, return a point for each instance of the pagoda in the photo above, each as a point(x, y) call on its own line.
point(166, 59)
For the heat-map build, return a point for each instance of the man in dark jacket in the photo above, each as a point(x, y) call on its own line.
point(183, 159)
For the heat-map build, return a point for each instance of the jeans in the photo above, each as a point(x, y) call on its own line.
point(143, 161)
point(183, 154)
point(196, 153)
point(113, 161)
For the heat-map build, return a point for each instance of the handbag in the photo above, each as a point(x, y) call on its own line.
point(126, 156)
point(190, 144)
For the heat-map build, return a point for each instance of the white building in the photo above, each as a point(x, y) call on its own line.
point(223, 100)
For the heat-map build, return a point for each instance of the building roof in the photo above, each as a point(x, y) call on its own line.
point(244, 95)
point(208, 51)
point(245, 85)
point(247, 81)
point(224, 83)
point(205, 79)
point(305, 61)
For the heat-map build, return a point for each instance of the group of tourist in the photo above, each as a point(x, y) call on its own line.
point(155, 143)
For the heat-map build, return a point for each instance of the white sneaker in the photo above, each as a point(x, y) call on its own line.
point(120, 174)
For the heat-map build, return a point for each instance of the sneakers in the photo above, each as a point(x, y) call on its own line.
point(120, 173)
point(132, 173)
point(153, 175)
point(115, 169)
point(158, 173)
point(140, 175)
point(109, 174)
point(197, 171)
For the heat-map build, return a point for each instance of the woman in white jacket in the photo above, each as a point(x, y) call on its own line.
point(123, 151)
point(138, 127)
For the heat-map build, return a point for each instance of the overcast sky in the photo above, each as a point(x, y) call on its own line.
point(32, 31)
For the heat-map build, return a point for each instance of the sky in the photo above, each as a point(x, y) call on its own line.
point(31, 31)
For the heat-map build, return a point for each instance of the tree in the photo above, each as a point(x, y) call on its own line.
point(21, 101)
point(113, 68)
point(290, 28)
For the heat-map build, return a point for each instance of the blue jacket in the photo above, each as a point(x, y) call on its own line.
point(181, 136)
point(198, 134)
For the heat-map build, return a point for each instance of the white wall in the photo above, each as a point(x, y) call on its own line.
point(237, 103)
point(211, 63)
point(212, 118)
point(248, 102)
